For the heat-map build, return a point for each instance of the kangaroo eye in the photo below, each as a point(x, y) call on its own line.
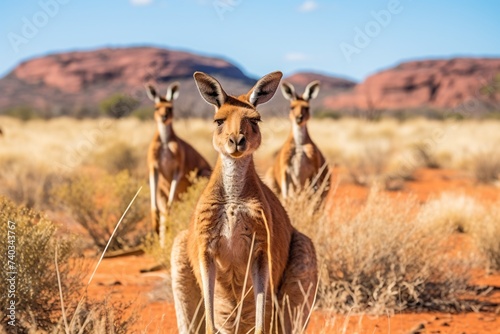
point(219, 122)
point(255, 121)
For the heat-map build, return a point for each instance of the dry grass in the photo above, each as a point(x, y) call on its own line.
point(457, 212)
point(32, 247)
point(486, 234)
point(97, 206)
point(64, 144)
point(380, 258)
point(486, 166)
point(465, 214)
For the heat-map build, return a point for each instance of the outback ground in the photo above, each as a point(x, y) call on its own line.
point(412, 219)
point(120, 277)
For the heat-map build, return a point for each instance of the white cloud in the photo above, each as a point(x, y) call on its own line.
point(308, 6)
point(295, 56)
point(141, 2)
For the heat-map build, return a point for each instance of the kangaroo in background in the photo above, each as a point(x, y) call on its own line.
point(170, 159)
point(299, 161)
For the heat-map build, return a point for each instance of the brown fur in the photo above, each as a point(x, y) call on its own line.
point(209, 262)
point(169, 159)
point(299, 161)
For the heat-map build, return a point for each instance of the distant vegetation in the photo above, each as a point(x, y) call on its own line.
point(118, 105)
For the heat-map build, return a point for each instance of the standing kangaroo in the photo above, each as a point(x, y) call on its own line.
point(299, 161)
point(170, 160)
point(240, 237)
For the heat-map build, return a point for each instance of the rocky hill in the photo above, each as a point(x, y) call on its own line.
point(65, 82)
point(436, 84)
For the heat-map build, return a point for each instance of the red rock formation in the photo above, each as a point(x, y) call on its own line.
point(440, 84)
point(73, 71)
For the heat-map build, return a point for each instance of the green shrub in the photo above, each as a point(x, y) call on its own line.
point(327, 113)
point(144, 113)
point(98, 202)
point(35, 239)
point(23, 113)
point(118, 105)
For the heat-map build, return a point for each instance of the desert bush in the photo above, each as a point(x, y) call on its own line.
point(118, 156)
point(97, 203)
point(486, 235)
point(379, 258)
point(143, 113)
point(177, 221)
point(457, 212)
point(426, 156)
point(23, 113)
point(369, 165)
point(376, 165)
point(97, 317)
point(27, 183)
point(32, 240)
point(327, 113)
point(486, 167)
point(118, 105)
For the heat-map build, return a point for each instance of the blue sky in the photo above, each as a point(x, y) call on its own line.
point(348, 38)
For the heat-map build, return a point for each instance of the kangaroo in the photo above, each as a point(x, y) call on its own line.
point(299, 161)
point(240, 239)
point(170, 160)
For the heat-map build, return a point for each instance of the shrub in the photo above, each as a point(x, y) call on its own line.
point(98, 317)
point(452, 211)
point(369, 165)
point(118, 156)
point(426, 156)
point(98, 202)
point(486, 167)
point(144, 113)
point(379, 258)
point(26, 183)
point(485, 231)
point(23, 113)
point(118, 105)
point(36, 285)
point(326, 113)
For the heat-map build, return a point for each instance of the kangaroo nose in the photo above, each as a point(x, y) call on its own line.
point(236, 143)
point(299, 119)
point(242, 143)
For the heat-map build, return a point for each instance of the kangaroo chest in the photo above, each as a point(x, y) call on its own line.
point(232, 234)
point(301, 166)
point(167, 160)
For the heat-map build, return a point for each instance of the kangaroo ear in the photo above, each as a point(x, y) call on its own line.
point(288, 91)
point(210, 89)
point(311, 91)
point(172, 91)
point(264, 89)
point(153, 96)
